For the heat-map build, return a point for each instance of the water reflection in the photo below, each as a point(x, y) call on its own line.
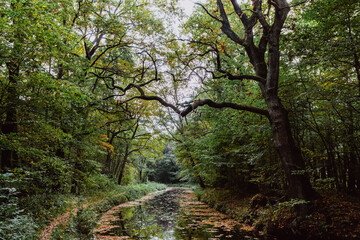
point(175, 214)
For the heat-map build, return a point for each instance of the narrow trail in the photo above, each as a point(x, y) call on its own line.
point(47, 231)
point(64, 218)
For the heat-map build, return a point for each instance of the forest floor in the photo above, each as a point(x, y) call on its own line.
point(334, 216)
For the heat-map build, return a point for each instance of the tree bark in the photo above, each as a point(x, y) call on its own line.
point(290, 155)
point(122, 167)
point(127, 153)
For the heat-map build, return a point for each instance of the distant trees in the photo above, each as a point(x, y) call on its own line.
point(165, 169)
point(323, 89)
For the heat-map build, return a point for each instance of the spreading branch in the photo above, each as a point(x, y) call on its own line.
point(230, 76)
point(241, 77)
point(213, 104)
point(207, 12)
point(226, 28)
point(143, 96)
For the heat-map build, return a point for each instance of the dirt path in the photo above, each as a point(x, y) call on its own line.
point(47, 231)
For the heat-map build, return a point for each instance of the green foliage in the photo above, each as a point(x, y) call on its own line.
point(20, 227)
point(98, 182)
point(43, 207)
point(59, 62)
point(85, 221)
point(321, 83)
point(229, 149)
point(14, 222)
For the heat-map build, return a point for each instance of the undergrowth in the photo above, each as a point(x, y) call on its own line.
point(24, 214)
point(334, 216)
point(225, 201)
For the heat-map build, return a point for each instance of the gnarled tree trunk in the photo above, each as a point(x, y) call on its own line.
point(290, 155)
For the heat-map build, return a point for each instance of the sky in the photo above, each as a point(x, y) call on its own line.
point(188, 6)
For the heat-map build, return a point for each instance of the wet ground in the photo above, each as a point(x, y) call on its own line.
point(171, 214)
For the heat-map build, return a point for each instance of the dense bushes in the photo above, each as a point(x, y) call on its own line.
point(15, 223)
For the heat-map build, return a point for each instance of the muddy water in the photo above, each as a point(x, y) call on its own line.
point(171, 214)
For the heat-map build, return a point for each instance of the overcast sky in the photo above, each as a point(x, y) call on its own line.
point(188, 5)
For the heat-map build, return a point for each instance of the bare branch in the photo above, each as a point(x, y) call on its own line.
point(107, 49)
point(213, 104)
point(160, 100)
point(241, 77)
point(300, 3)
point(260, 15)
point(226, 28)
point(230, 76)
point(208, 13)
point(149, 98)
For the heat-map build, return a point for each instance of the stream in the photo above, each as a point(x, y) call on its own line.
point(171, 214)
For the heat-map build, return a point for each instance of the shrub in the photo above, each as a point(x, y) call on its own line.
point(85, 221)
point(14, 223)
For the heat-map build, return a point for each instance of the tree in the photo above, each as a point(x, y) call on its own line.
point(64, 63)
point(260, 39)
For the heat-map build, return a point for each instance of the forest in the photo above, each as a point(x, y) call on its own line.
point(254, 105)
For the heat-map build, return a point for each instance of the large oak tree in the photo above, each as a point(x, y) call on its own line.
point(264, 57)
point(259, 38)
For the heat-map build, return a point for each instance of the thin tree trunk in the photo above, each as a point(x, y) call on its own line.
point(122, 165)
point(201, 182)
point(127, 153)
point(353, 166)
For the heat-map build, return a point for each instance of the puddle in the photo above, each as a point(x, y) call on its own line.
point(172, 214)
